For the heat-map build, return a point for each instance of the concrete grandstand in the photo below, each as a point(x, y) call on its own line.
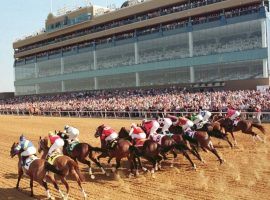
point(151, 43)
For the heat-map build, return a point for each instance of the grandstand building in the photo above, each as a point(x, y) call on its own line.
point(149, 43)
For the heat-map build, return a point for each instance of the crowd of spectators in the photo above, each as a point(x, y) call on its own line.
point(170, 99)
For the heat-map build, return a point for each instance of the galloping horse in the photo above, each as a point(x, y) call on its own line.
point(65, 164)
point(199, 139)
point(245, 126)
point(214, 130)
point(121, 150)
point(81, 151)
point(37, 172)
point(167, 144)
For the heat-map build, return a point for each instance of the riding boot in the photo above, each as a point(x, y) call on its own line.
point(23, 160)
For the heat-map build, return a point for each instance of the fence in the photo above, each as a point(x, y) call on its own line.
point(265, 116)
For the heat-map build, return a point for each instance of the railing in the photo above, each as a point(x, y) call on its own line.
point(265, 116)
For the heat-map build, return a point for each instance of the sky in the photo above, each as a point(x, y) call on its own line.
point(23, 17)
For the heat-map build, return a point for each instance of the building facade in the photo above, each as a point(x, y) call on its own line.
point(149, 44)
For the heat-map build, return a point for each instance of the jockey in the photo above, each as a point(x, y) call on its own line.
point(233, 114)
point(109, 136)
point(56, 143)
point(166, 123)
point(151, 127)
point(72, 133)
point(27, 147)
point(185, 123)
point(136, 132)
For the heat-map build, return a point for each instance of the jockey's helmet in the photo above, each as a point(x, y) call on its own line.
point(22, 138)
point(66, 127)
point(51, 133)
point(133, 125)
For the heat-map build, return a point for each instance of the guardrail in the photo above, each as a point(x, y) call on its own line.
point(264, 116)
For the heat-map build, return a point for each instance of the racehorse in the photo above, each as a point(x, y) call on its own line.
point(168, 144)
point(80, 153)
point(37, 172)
point(245, 126)
point(214, 129)
point(199, 139)
point(119, 151)
point(65, 164)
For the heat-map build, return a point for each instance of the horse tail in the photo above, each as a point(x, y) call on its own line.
point(134, 150)
point(73, 165)
point(258, 126)
point(51, 168)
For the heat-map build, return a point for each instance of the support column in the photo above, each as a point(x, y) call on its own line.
point(96, 83)
point(191, 68)
point(63, 88)
point(62, 65)
point(37, 88)
point(95, 59)
point(136, 53)
point(36, 70)
point(265, 68)
point(137, 75)
point(264, 33)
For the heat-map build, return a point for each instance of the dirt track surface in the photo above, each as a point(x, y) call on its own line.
point(245, 175)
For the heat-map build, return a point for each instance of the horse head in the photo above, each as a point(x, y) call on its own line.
point(99, 130)
point(13, 151)
point(123, 133)
point(42, 144)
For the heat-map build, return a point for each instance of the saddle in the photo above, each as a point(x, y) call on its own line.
point(51, 158)
point(27, 161)
point(158, 138)
point(189, 136)
point(71, 146)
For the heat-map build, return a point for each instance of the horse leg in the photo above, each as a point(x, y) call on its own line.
point(96, 161)
point(114, 169)
point(64, 181)
point(174, 156)
point(20, 173)
point(195, 152)
point(189, 159)
point(87, 162)
point(140, 164)
point(31, 185)
point(235, 142)
point(55, 185)
point(225, 138)
point(75, 174)
point(211, 148)
point(45, 185)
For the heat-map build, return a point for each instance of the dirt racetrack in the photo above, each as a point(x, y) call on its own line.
point(245, 175)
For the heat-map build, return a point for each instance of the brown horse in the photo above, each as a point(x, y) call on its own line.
point(198, 139)
point(245, 126)
point(37, 172)
point(168, 144)
point(65, 164)
point(119, 151)
point(214, 129)
point(81, 151)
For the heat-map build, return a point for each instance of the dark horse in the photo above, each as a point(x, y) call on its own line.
point(214, 129)
point(245, 126)
point(81, 151)
point(37, 172)
point(199, 139)
point(119, 151)
point(168, 144)
point(65, 164)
